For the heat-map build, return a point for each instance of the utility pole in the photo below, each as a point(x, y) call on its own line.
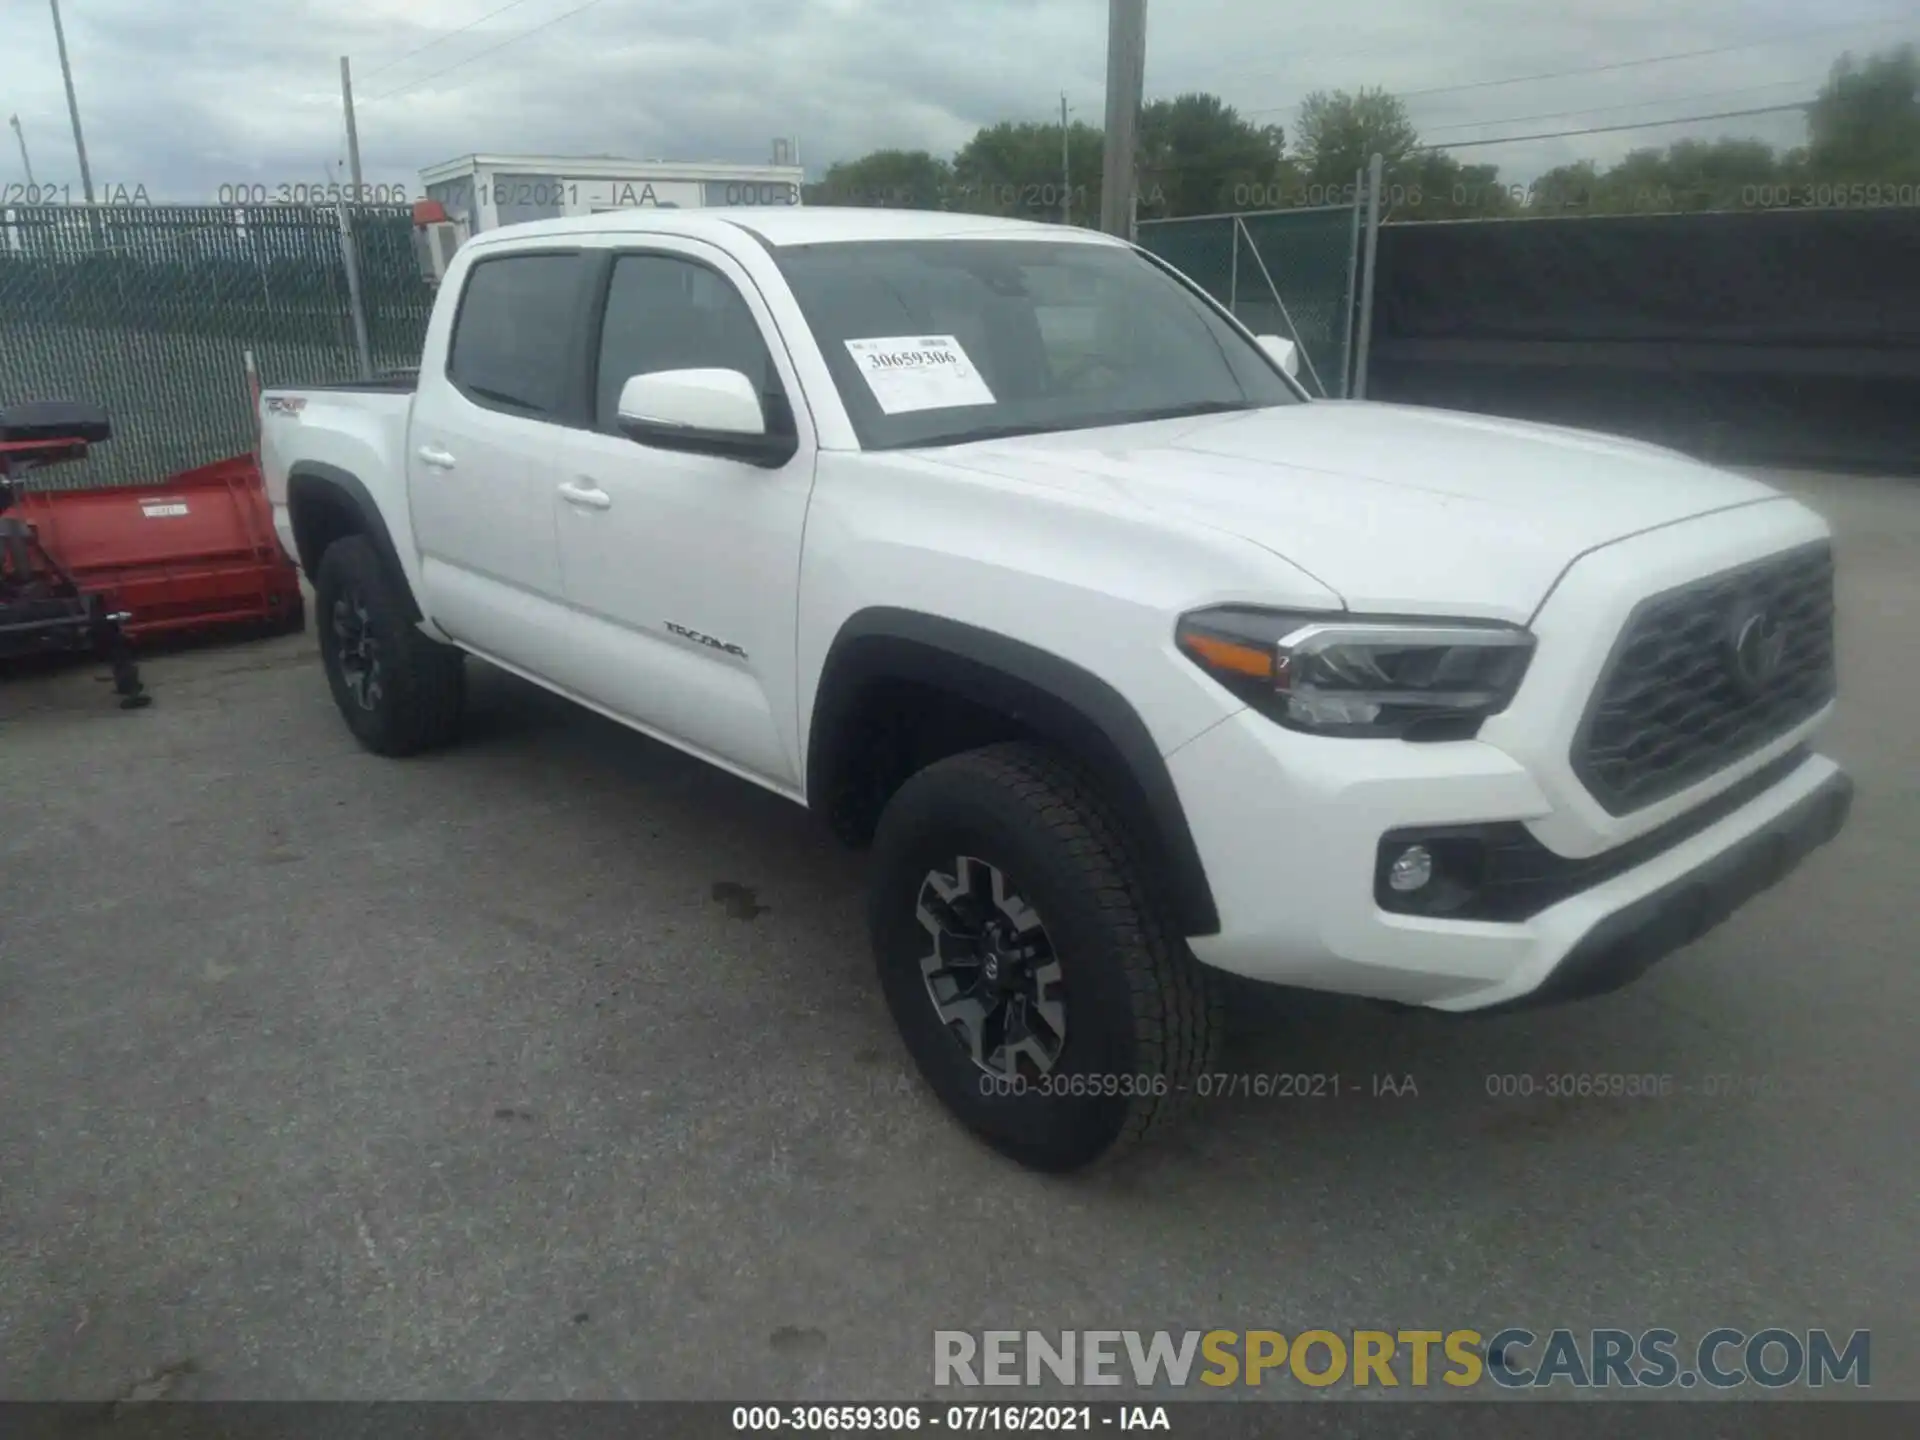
point(1126, 79)
point(21, 136)
point(73, 105)
point(353, 132)
point(1374, 170)
point(356, 298)
point(1066, 167)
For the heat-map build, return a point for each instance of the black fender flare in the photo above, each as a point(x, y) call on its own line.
point(1057, 699)
point(315, 488)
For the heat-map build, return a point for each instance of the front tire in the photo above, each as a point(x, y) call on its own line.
point(399, 691)
point(1035, 976)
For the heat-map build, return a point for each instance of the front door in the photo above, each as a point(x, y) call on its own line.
point(685, 567)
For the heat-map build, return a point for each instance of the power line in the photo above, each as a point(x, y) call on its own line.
point(461, 30)
point(1636, 125)
point(1377, 53)
point(482, 54)
point(1622, 64)
point(1615, 109)
point(1652, 59)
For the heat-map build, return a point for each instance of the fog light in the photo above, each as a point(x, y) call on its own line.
point(1412, 869)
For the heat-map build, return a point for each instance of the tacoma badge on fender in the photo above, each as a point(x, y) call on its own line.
point(707, 640)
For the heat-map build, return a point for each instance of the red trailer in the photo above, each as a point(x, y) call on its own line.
point(195, 551)
point(92, 569)
point(42, 607)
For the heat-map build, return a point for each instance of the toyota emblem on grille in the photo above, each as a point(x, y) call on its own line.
point(1759, 645)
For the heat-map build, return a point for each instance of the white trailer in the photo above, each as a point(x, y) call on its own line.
point(484, 192)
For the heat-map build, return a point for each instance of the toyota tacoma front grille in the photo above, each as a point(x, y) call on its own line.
point(1704, 675)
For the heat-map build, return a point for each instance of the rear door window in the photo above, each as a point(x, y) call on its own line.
point(514, 336)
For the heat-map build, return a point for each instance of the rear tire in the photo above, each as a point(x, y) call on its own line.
point(1102, 1048)
point(399, 691)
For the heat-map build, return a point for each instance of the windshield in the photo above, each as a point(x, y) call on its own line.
point(938, 342)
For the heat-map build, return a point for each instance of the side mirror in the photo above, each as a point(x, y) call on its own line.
point(714, 412)
point(1285, 353)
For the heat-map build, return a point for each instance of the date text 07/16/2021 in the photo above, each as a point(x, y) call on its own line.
point(961, 1419)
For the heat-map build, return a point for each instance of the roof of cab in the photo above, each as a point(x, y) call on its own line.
point(797, 225)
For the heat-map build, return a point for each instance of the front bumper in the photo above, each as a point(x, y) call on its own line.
point(1628, 942)
point(1292, 867)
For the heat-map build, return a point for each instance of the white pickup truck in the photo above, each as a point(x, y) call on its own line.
point(1016, 557)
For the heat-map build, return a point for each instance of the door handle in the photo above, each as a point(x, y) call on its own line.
point(586, 496)
point(432, 455)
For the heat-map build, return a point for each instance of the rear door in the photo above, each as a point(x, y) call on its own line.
point(482, 452)
point(684, 567)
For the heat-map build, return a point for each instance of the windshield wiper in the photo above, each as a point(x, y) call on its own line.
point(997, 432)
point(1184, 412)
point(1091, 422)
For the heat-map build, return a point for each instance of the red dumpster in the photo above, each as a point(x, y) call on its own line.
point(193, 551)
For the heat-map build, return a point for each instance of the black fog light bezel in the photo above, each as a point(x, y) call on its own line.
point(1461, 856)
point(1517, 877)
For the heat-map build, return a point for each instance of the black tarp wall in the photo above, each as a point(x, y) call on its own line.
point(1768, 337)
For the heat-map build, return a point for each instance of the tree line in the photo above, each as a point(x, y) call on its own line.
point(1200, 156)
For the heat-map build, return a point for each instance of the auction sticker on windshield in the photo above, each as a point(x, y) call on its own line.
point(919, 372)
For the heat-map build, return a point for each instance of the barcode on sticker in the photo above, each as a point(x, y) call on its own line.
point(160, 509)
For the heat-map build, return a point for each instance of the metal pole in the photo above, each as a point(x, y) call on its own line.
point(73, 105)
point(21, 136)
point(353, 131)
point(355, 301)
point(1366, 277)
point(1066, 167)
point(1233, 271)
point(1126, 78)
point(1353, 298)
point(1240, 227)
point(253, 397)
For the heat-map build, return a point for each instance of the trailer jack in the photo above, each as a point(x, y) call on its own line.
point(43, 609)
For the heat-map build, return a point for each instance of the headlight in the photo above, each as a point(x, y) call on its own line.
point(1334, 675)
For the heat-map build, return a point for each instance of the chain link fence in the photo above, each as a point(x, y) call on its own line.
point(1281, 272)
point(149, 312)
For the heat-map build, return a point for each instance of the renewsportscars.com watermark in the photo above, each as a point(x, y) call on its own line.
point(1511, 1358)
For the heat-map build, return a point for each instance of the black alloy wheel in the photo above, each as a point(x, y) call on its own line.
point(990, 970)
point(358, 650)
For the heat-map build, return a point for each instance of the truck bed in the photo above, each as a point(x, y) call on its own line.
point(356, 429)
point(400, 382)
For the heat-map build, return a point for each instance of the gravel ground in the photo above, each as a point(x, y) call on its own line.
point(552, 1066)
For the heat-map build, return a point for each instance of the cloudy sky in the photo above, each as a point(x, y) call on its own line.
point(182, 96)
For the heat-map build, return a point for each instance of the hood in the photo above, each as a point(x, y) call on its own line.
point(1395, 508)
